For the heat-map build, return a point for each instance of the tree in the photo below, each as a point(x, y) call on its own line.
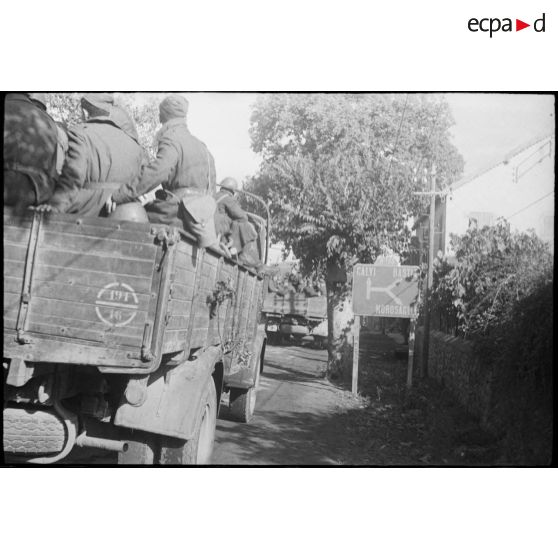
point(146, 117)
point(64, 107)
point(339, 171)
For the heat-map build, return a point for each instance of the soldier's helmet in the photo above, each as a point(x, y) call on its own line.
point(229, 184)
point(130, 212)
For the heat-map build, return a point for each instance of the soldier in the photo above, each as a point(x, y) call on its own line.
point(309, 290)
point(274, 284)
point(102, 153)
point(294, 282)
point(30, 150)
point(231, 221)
point(183, 165)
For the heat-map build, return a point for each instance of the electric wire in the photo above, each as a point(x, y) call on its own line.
point(531, 204)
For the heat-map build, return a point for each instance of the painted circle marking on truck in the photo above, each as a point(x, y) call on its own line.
point(117, 304)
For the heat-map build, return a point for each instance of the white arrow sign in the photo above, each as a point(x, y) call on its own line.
point(386, 290)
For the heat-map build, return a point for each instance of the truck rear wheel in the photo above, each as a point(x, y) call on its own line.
point(242, 403)
point(197, 450)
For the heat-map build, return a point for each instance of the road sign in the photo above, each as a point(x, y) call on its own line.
point(386, 291)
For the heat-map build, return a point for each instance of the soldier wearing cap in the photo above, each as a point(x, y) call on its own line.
point(103, 152)
point(30, 151)
point(183, 165)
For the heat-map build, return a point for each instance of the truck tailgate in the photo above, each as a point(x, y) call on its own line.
point(80, 291)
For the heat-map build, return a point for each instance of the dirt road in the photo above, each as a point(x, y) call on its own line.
point(303, 419)
point(294, 403)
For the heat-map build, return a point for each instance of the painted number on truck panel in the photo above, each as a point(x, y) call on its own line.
point(117, 304)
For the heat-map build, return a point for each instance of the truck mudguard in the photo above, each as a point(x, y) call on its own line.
point(171, 401)
point(244, 376)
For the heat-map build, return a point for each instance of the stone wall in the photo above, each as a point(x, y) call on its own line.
point(513, 404)
point(454, 363)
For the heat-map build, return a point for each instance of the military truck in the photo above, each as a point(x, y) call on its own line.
point(296, 316)
point(124, 336)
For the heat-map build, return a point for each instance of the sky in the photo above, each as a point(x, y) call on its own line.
point(487, 126)
point(222, 121)
point(490, 125)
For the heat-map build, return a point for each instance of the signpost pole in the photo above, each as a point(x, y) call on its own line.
point(384, 291)
point(356, 348)
point(430, 279)
point(411, 353)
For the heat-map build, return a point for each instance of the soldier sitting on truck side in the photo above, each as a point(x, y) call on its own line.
point(231, 223)
point(309, 289)
point(103, 152)
point(183, 166)
point(295, 285)
point(30, 151)
point(275, 285)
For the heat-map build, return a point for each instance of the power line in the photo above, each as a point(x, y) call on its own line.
point(496, 163)
point(531, 204)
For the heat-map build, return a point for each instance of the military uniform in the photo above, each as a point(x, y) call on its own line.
point(100, 153)
point(232, 220)
point(30, 151)
point(183, 164)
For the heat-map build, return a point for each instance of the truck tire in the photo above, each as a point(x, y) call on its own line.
point(197, 450)
point(33, 431)
point(242, 402)
point(140, 452)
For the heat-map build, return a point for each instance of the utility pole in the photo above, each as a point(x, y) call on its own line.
point(430, 277)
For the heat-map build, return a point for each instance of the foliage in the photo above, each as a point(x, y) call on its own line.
point(146, 118)
point(65, 108)
point(495, 269)
point(223, 291)
point(340, 169)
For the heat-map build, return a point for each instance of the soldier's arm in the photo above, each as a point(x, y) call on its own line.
point(74, 172)
point(155, 173)
point(212, 175)
point(233, 209)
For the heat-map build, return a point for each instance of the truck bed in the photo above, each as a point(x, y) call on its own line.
point(113, 294)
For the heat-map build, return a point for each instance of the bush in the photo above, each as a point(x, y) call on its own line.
point(500, 295)
point(495, 269)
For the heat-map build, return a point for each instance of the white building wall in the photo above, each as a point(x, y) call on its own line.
point(277, 254)
point(496, 192)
